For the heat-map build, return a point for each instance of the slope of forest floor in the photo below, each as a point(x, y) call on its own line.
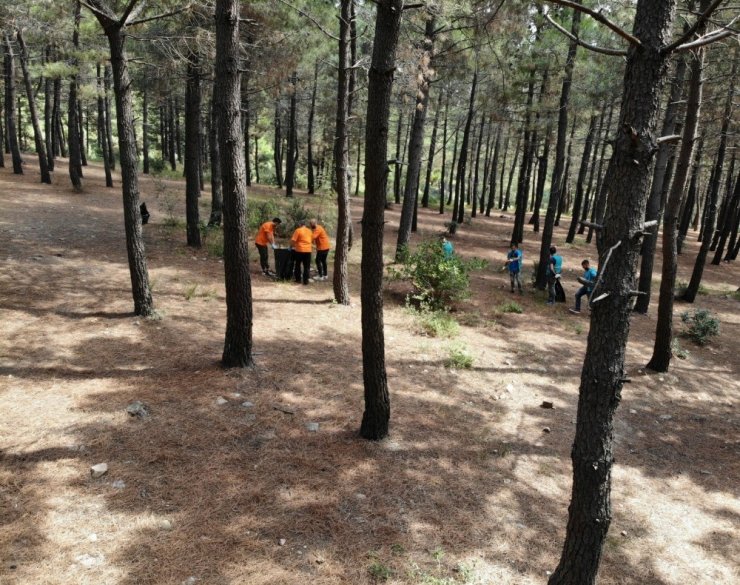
point(470, 487)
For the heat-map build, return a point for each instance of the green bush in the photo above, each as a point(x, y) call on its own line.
point(295, 214)
point(437, 323)
point(437, 279)
point(258, 212)
point(511, 307)
point(459, 358)
point(702, 325)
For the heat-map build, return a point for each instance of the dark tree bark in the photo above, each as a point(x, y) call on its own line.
point(541, 178)
point(557, 182)
point(452, 181)
point(581, 179)
point(178, 134)
point(48, 110)
point(432, 148)
point(37, 137)
point(503, 169)
point(309, 139)
point(487, 154)
point(292, 141)
point(172, 149)
point(10, 120)
point(144, 130)
point(397, 165)
point(691, 199)
point(592, 171)
point(108, 82)
point(565, 186)
point(340, 278)
point(416, 141)
point(377, 413)
point(73, 125)
point(711, 215)
point(444, 158)
point(600, 193)
point(359, 162)
point(474, 198)
point(603, 374)
point(256, 161)
point(82, 133)
point(217, 198)
point(246, 109)
point(192, 151)
point(731, 220)
point(522, 188)
point(116, 34)
point(662, 354)
point(56, 122)
point(458, 213)
point(661, 177)
point(278, 146)
point(492, 174)
point(517, 150)
point(102, 138)
point(238, 341)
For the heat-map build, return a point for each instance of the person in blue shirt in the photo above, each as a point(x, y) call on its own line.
point(589, 281)
point(554, 268)
point(447, 248)
point(514, 262)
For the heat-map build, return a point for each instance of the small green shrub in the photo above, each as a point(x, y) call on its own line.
point(295, 214)
point(379, 571)
point(459, 358)
point(214, 241)
point(511, 307)
point(437, 279)
point(702, 325)
point(190, 291)
point(678, 351)
point(437, 323)
point(258, 212)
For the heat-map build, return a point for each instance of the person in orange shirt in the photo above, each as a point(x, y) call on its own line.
point(266, 237)
point(300, 243)
point(321, 238)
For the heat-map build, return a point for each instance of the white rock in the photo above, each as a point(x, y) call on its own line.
point(633, 411)
point(312, 426)
point(119, 484)
point(360, 496)
point(98, 470)
point(221, 401)
point(190, 581)
point(165, 524)
point(247, 404)
point(90, 561)
point(281, 541)
point(92, 537)
point(509, 388)
point(666, 417)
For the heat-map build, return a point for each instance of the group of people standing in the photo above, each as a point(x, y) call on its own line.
point(514, 260)
point(307, 235)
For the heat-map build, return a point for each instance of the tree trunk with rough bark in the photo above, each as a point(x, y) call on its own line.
point(217, 198)
point(102, 138)
point(376, 418)
point(603, 374)
point(577, 204)
point(430, 158)
point(227, 85)
point(292, 141)
point(11, 123)
point(458, 213)
point(492, 174)
point(145, 131)
point(192, 151)
point(309, 138)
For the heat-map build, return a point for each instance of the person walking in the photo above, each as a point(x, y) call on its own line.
point(266, 237)
point(588, 280)
point(300, 243)
point(321, 239)
point(554, 268)
point(514, 262)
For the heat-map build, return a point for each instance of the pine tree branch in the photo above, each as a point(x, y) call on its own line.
point(585, 45)
point(705, 40)
point(160, 16)
point(128, 11)
point(693, 28)
point(105, 18)
point(311, 18)
point(600, 18)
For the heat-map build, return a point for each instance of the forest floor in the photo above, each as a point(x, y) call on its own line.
point(468, 488)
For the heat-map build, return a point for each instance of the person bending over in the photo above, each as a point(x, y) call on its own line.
point(301, 243)
point(588, 280)
point(266, 237)
point(321, 238)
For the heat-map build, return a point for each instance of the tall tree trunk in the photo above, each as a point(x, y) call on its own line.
point(565, 187)
point(246, 108)
point(341, 157)
point(107, 82)
point(503, 169)
point(662, 354)
point(487, 154)
point(73, 125)
point(397, 166)
point(37, 137)
point(557, 181)
point(600, 192)
point(116, 35)
point(359, 162)
point(10, 123)
point(581, 179)
point(376, 417)
point(81, 135)
point(172, 150)
point(474, 199)
point(217, 197)
point(661, 177)
point(523, 180)
point(416, 141)
point(731, 220)
point(542, 178)
point(458, 213)
point(278, 146)
point(444, 158)
point(238, 340)
point(492, 174)
point(309, 138)
point(102, 138)
point(602, 377)
point(48, 110)
point(292, 141)
point(144, 130)
point(693, 288)
point(178, 134)
point(517, 150)
point(592, 171)
point(430, 158)
point(192, 151)
point(684, 217)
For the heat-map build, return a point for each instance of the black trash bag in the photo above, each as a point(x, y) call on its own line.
point(144, 214)
point(559, 292)
point(283, 263)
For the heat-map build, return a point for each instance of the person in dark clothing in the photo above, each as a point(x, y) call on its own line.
point(554, 268)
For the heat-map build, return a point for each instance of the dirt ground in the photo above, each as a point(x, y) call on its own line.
point(468, 488)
